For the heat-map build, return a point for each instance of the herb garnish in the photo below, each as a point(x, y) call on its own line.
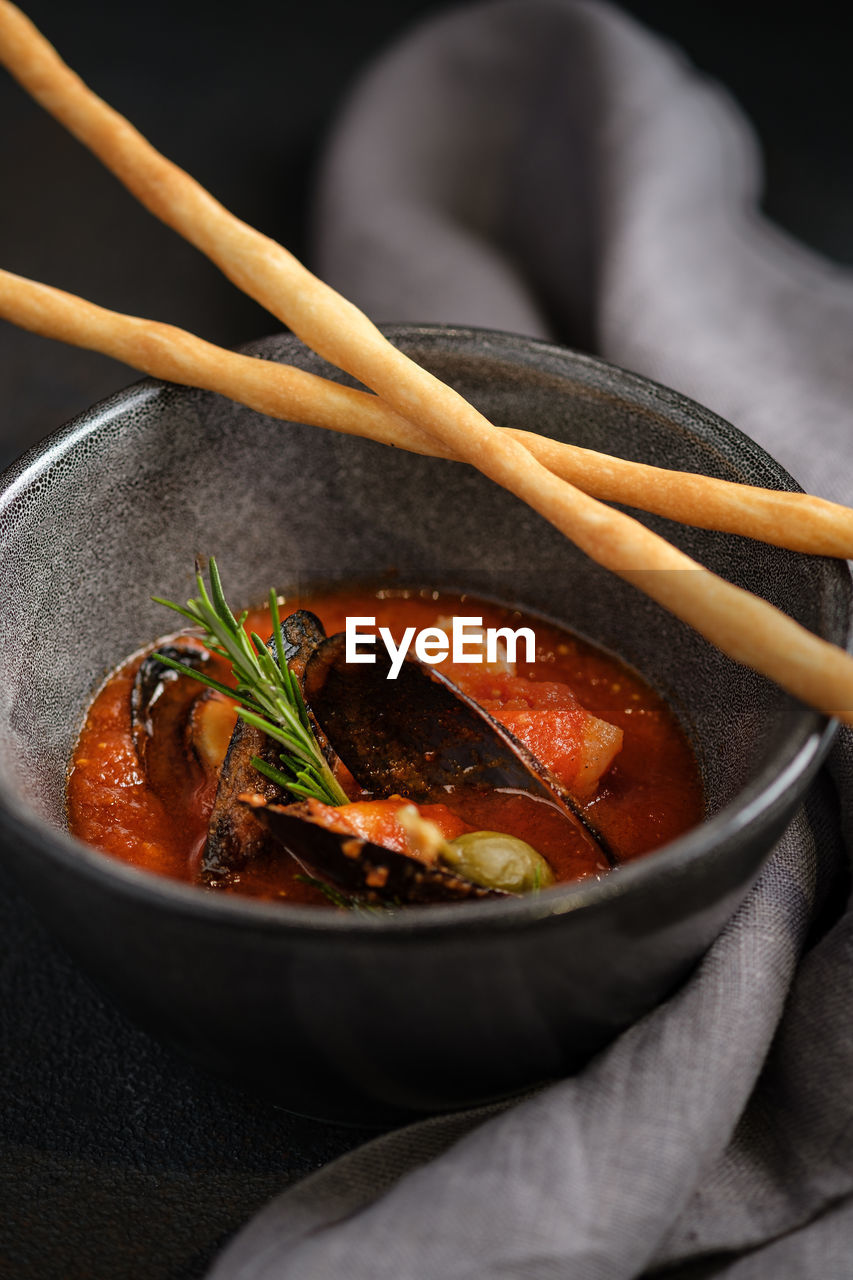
point(267, 690)
point(347, 901)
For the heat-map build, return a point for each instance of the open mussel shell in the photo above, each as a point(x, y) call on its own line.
point(420, 736)
point(235, 836)
point(161, 707)
point(370, 872)
point(417, 736)
point(301, 634)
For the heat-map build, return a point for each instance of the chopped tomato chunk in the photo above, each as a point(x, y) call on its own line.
point(546, 716)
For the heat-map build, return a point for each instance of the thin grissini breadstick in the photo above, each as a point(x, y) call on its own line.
point(797, 521)
point(167, 352)
point(749, 629)
point(792, 520)
point(271, 275)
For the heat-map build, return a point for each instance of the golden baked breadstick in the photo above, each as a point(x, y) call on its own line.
point(282, 391)
point(167, 352)
point(797, 521)
point(271, 275)
point(747, 628)
point(793, 520)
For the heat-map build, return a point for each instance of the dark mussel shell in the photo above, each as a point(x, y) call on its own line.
point(418, 736)
point(161, 703)
point(235, 836)
point(371, 872)
point(301, 634)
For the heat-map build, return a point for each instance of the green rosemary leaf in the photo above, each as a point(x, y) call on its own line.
point(289, 740)
point(310, 793)
point(346, 901)
point(219, 601)
point(183, 670)
point(300, 702)
point(178, 608)
point(334, 895)
point(270, 771)
point(279, 643)
point(269, 693)
point(262, 651)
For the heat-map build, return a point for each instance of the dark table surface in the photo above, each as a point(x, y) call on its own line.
point(116, 1158)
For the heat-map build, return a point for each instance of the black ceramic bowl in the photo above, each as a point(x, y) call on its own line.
point(341, 1015)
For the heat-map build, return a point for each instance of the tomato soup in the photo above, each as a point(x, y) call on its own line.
point(594, 723)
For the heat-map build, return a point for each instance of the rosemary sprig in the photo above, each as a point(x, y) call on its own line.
point(267, 690)
point(347, 901)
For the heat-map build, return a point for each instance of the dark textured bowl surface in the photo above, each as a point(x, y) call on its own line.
point(347, 1016)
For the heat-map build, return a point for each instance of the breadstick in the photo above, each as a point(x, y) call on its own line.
point(167, 352)
point(282, 391)
point(749, 629)
point(271, 275)
point(797, 521)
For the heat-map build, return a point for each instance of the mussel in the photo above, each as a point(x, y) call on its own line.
point(370, 872)
point(165, 719)
point(417, 737)
point(235, 836)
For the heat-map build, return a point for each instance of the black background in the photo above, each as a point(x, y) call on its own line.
point(116, 1159)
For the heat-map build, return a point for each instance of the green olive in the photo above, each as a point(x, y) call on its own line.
point(498, 861)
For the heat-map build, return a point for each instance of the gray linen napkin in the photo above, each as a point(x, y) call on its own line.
point(547, 167)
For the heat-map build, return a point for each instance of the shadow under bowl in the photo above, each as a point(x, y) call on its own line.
point(351, 1017)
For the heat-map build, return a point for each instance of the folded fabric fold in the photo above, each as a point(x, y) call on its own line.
point(548, 167)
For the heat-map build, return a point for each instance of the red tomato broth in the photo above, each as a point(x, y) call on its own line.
point(649, 794)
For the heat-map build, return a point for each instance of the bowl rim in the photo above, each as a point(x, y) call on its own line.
point(794, 760)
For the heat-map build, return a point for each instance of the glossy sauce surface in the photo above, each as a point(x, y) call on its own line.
point(649, 794)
